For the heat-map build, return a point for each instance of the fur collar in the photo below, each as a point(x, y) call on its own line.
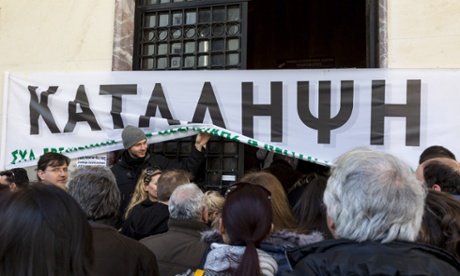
point(279, 238)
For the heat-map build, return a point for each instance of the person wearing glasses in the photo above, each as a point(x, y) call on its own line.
point(52, 168)
point(136, 157)
point(15, 179)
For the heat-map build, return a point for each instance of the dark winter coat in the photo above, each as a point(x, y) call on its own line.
point(277, 245)
point(115, 254)
point(346, 257)
point(146, 219)
point(127, 175)
point(180, 248)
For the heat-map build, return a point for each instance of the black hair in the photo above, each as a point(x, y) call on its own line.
point(435, 152)
point(247, 218)
point(447, 177)
point(51, 159)
point(43, 232)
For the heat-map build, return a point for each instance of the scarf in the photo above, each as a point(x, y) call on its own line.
point(132, 162)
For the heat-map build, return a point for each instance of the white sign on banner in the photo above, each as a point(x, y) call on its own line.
point(313, 115)
point(95, 160)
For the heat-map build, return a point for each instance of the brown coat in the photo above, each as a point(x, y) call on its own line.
point(180, 248)
point(115, 254)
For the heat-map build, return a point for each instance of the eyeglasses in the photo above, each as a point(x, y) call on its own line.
point(239, 185)
point(58, 170)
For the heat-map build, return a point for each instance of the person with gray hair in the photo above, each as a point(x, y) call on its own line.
point(188, 217)
point(374, 209)
point(95, 189)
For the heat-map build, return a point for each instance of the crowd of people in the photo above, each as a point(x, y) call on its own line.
point(370, 214)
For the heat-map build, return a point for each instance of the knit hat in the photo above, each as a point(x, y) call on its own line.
point(131, 135)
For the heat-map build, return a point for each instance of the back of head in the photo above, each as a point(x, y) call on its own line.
point(169, 181)
point(247, 219)
point(20, 177)
point(187, 202)
point(310, 210)
point(282, 214)
point(214, 203)
point(372, 195)
point(441, 224)
point(444, 172)
point(44, 232)
point(435, 152)
point(95, 189)
point(291, 160)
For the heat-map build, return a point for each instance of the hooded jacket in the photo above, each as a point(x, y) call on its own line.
point(224, 258)
point(277, 245)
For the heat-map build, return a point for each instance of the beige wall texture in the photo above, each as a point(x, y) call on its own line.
point(77, 35)
point(55, 36)
point(423, 33)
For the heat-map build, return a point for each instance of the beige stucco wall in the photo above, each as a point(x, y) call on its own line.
point(77, 35)
point(55, 35)
point(423, 33)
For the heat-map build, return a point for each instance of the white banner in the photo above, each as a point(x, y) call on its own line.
point(313, 115)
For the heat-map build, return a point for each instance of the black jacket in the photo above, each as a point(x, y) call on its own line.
point(127, 175)
point(146, 219)
point(346, 257)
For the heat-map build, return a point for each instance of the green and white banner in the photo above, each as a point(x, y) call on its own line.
point(313, 115)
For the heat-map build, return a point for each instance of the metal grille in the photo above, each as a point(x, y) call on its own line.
point(191, 36)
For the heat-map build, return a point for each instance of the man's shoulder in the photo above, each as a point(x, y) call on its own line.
point(152, 242)
point(179, 231)
point(346, 255)
point(119, 164)
point(367, 247)
point(107, 235)
point(154, 158)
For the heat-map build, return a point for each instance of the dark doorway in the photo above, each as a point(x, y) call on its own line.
point(298, 34)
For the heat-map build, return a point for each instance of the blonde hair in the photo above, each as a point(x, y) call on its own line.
point(140, 194)
point(282, 214)
point(214, 203)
